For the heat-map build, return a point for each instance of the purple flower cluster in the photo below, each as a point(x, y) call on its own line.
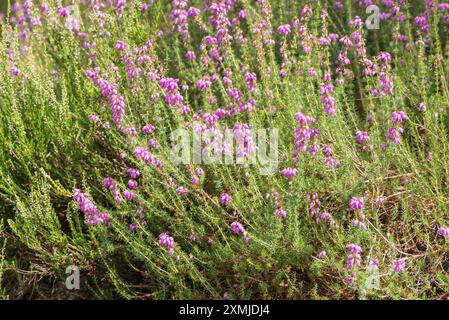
point(326, 90)
point(109, 90)
point(289, 172)
point(237, 228)
point(165, 240)
point(314, 206)
point(280, 213)
point(15, 71)
point(112, 186)
point(121, 45)
point(172, 95)
point(93, 215)
point(225, 199)
point(444, 232)
point(398, 265)
point(329, 161)
point(362, 137)
point(394, 132)
point(354, 258)
point(304, 135)
point(357, 204)
point(284, 29)
point(386, 82)
point(142, 153)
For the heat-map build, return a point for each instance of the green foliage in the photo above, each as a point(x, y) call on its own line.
point(49, 147)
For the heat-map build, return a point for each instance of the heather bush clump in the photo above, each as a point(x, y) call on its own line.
point(230, 149)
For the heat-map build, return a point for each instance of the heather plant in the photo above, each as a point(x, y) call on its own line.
point(92, 94)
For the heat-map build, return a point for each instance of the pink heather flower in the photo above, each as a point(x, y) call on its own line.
point(132, 184)
point(64, 12)
point(284, 29)
point(14, 71)
point(304, 135)
point(169, 84)
point(362, 137)
point(94, 117)
point(27, 5)
point(93, 215)
point(225, 199)
point(133, 173)
point(379, 200)
point(129, 195)
point(338, 5)
point(15, 7)
point(394, 134)
point(443, 6)
point(165, 240)
point(143, 7)
point(121, 45)
point(325, 216)
point(203, 84)
point(238, 228)
point(312, 72)
point(148, 128)
point(331, 162)
point(199, 172)
point(346, 41)
point(289, 172)
point(398, 265)
point(327, 150)
point(108, 183)
point(195, 181)
point(142, 153)
point(36, 21)
point(444, 232)
point(421, 22)
point(383, 57)
point(353, 248)
point(314, 205)
point(322, 254)
point(354, 258)
point(357, 203)
point(422, 107)
point(398, 116)
point(153, 143)
point(359, 224)
point(112, 186)
point(193, 12)
point(250, 79)
point(109, 90)
point(181, 191)
point(280, 213)
point(374, 263)
point(326, 89)
point(190, 55)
